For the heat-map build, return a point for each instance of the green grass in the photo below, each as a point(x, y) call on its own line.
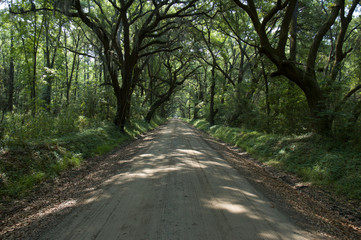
point(328, 162)
point(24, 165)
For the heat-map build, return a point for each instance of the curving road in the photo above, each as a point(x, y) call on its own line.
point(177, 188)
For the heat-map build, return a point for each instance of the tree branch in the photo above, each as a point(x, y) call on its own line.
point(312, 54)
point(158, 51)
point(78, 53)
point(283, 37)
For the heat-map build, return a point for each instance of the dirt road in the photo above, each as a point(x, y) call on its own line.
point(177, 188)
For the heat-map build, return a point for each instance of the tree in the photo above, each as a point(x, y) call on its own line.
point(129, 31)
point(50, 54)
point(178, 70)
point(305, 78)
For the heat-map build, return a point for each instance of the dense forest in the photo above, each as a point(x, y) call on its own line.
point(279, 68)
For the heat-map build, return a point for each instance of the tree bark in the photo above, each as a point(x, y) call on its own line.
point(212, 112)
point(293, 35)
point(69, 80)
point(11, 75)
point(125, 40)
point(49, 62)
point(304, 79)
point(33, 78)
point(155, 106)
point(268, 105)
point(339, 53)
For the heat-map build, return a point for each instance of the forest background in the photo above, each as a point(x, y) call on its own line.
point(281, 79)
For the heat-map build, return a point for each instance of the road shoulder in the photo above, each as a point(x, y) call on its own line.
point(51, 201)
point(289, 194)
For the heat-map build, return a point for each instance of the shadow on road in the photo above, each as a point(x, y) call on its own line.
point(177, 188)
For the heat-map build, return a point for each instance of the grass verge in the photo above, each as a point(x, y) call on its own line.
point(333, 164)
point(24, 165)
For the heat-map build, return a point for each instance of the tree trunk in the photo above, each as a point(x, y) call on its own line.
point(33, 79)
point(199, 99)
point(212, 112)
point(76, 78)
point(155, 106)
point(268, 105)
point(70, 80)
point(11, 76)
point(50, 61)
point(35, 52)
point(130, 77)
point(46, 96)
point(123, 96)
point(305, 79)
point(316, 103)
point(321, 122)
point(293, 34)
point(123, 107)
point(241, 63)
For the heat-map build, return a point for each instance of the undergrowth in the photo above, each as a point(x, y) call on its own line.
point(328, 162)
point(28, 157)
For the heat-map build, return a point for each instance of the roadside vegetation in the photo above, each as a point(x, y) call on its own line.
point(36, 149)
point(322, 161)
point(76, 75)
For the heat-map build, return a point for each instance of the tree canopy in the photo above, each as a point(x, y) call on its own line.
point(285, 66)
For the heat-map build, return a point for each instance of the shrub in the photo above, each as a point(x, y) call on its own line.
point(26, 161)
point(325, 161)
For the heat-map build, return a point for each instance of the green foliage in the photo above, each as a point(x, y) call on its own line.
point(21, 128)
point(26, 159)
point(324, 161)
point(62, 100)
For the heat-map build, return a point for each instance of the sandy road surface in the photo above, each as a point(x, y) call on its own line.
point(177, 188)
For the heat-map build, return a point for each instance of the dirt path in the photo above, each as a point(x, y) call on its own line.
point(176, 188)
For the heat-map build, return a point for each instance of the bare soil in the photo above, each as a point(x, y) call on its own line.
point(146, 187)
point(312, 207)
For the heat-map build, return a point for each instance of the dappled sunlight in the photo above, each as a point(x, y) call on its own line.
point(269, 235)
point(248, 194)
point(224, 204)
point(154, 172)
point(214, 163)
point(97, 197)
point(198, 158)
point(177, 183)
point(146, 155)
point(243, 154)
point(90, 200)
point(193, 164)
point(186, 133)
point(189, 151)
point(148, 138)
point(57, 208)
point(167, 131)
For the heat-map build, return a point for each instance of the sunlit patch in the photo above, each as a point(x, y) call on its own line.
point(189, 151)
point(153, 172)
point(217, 164)
point(166, 131)
point(146, 155)
point(195, 164)
point(89, 189)
point(248, 194)
point(148, 138)
point(186, 133)
point(268, 235)
point(242, 153)
point(97, 197)
point(222, 204)
point(62, 206)
point(231, 207)
point(90, 200)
